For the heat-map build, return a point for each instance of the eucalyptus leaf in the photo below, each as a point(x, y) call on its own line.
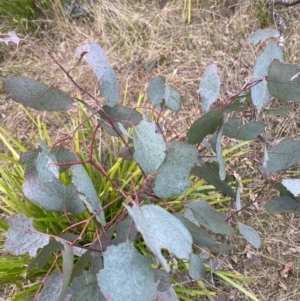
point(209, 88)
point(260, 93)
point(156, 90)
point(36, 95)
point(87, 192)
point(196, 268)
point(209, 217)
point(173, 99)
point(22, 237)
point(250, 234)
point(281, 156)
point(149, 146)
point(160, 229)
point(201, 237)
point(234, 129)
point(93, 54)
point(118, 114)
point(207, 173)
point(172, 177)
point(206, 124)
point(263, 35)
point(283, 204)
point(124, 264)
point(284, 81)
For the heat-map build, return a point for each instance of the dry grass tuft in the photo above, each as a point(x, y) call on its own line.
point(134, 33)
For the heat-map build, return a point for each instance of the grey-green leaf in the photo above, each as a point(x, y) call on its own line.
point(68, 259)
point(51, 288)
point(149, 146)
point(292, 185)
point(234, 129)
point(36, 95)
point(169, 295)
point(160, 229)
point(220, 159)
point(209, 88)
point(209, 217)
point(156, 90)
point(283, 204)
point(206, 124)
point(196, 268)
point(260, 93)
point(282, 111)
point(93, 54)
point(172, 178)
point(22, 237)
point(284, 81)
point(87, 192)
point(262, 35)
point(210, 176)
point(249, 234)
point(281, 156)
point(173, 99)
point(118, 114)
point(43, 188)
point(163, 280)
point(44, 255)
point(85, 288)
point(201, 237)
point(127, 275)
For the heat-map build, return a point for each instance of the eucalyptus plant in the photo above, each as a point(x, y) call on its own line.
point(132, 254)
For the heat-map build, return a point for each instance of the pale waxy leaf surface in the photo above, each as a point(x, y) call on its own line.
point(201, 237)
point(51, 288)
point(169, 295)
point(22, 237)
point(220, 159)
point(249, 234)
point(209, 88)
point(281, 156)
point(292, 185)
point(262, 35)
point(249, 131)
point(36, 95)
point(284, 81)
point(173, 99)
point(209, 217)
point(149, 146)
point(160, 229)
point(172, 177)
point(68, 259)
point(87, 192)
point(156, 90)
point(85, 288)
point(127, 275)
point(163, 280)
point(61, 154)
point(206, 124)
point(260, 93)
point(43, 187)
point(283, 204)
point(93, 54)
point(119, 114)
point(196, 268)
